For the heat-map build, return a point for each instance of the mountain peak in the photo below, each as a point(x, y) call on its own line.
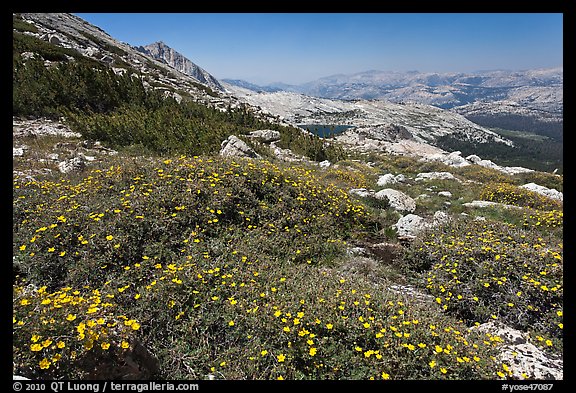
point(164, 53)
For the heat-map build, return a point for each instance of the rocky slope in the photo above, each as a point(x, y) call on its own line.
point(69, 31)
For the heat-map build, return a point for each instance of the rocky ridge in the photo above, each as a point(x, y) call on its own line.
point(156, 65)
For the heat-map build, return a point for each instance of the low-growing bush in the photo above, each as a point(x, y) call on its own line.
point(485, 270)
point(513, 195)
point(541, 178)
point(221, 269)
point(482, 174)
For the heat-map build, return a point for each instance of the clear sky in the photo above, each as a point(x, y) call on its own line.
point(300, 47)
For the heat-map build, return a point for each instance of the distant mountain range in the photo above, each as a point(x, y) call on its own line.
point(542, 88)
point(530, 100)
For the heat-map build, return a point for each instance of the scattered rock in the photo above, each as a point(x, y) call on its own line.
point(286, 154)
point(28, 55)
point(356, 251)
point(440, 217)
point(386, 179)
point(235, 147)
point(325, 164)
point(76, 164)
point(87, 158)
point(400, 178)
point(361, 192)
point(446, 194)
point(398, 200)
point(435, 176)
point(107, 59)
point(473, 158)
point(410, 225)
point(52, 39)
point(91, 52)
point(455, 159)
point(489, 204)
point(17, 152)
point(522, 356)
point(549, 192)
point(96, 146)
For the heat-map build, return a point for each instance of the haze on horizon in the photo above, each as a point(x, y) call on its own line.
point(295, 48)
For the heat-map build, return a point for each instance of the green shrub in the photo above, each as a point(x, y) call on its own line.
point(481, 271)
point(28, 43)
point(482, 174)
point(220, 267)
point(21, 25)
point(541, 178)
point(513, 195)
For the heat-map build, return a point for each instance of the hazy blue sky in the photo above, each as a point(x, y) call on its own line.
point(299, 47)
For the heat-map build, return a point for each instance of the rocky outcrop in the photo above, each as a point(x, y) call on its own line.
point(396, 132)
point(455, 159)
point(235, 147)
point(511, 170)
point(41, 127)
point(390, 179)
point(524, 359)
point(548, 192)
point(265, 136)
point(397, 199)
point(410, 225)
